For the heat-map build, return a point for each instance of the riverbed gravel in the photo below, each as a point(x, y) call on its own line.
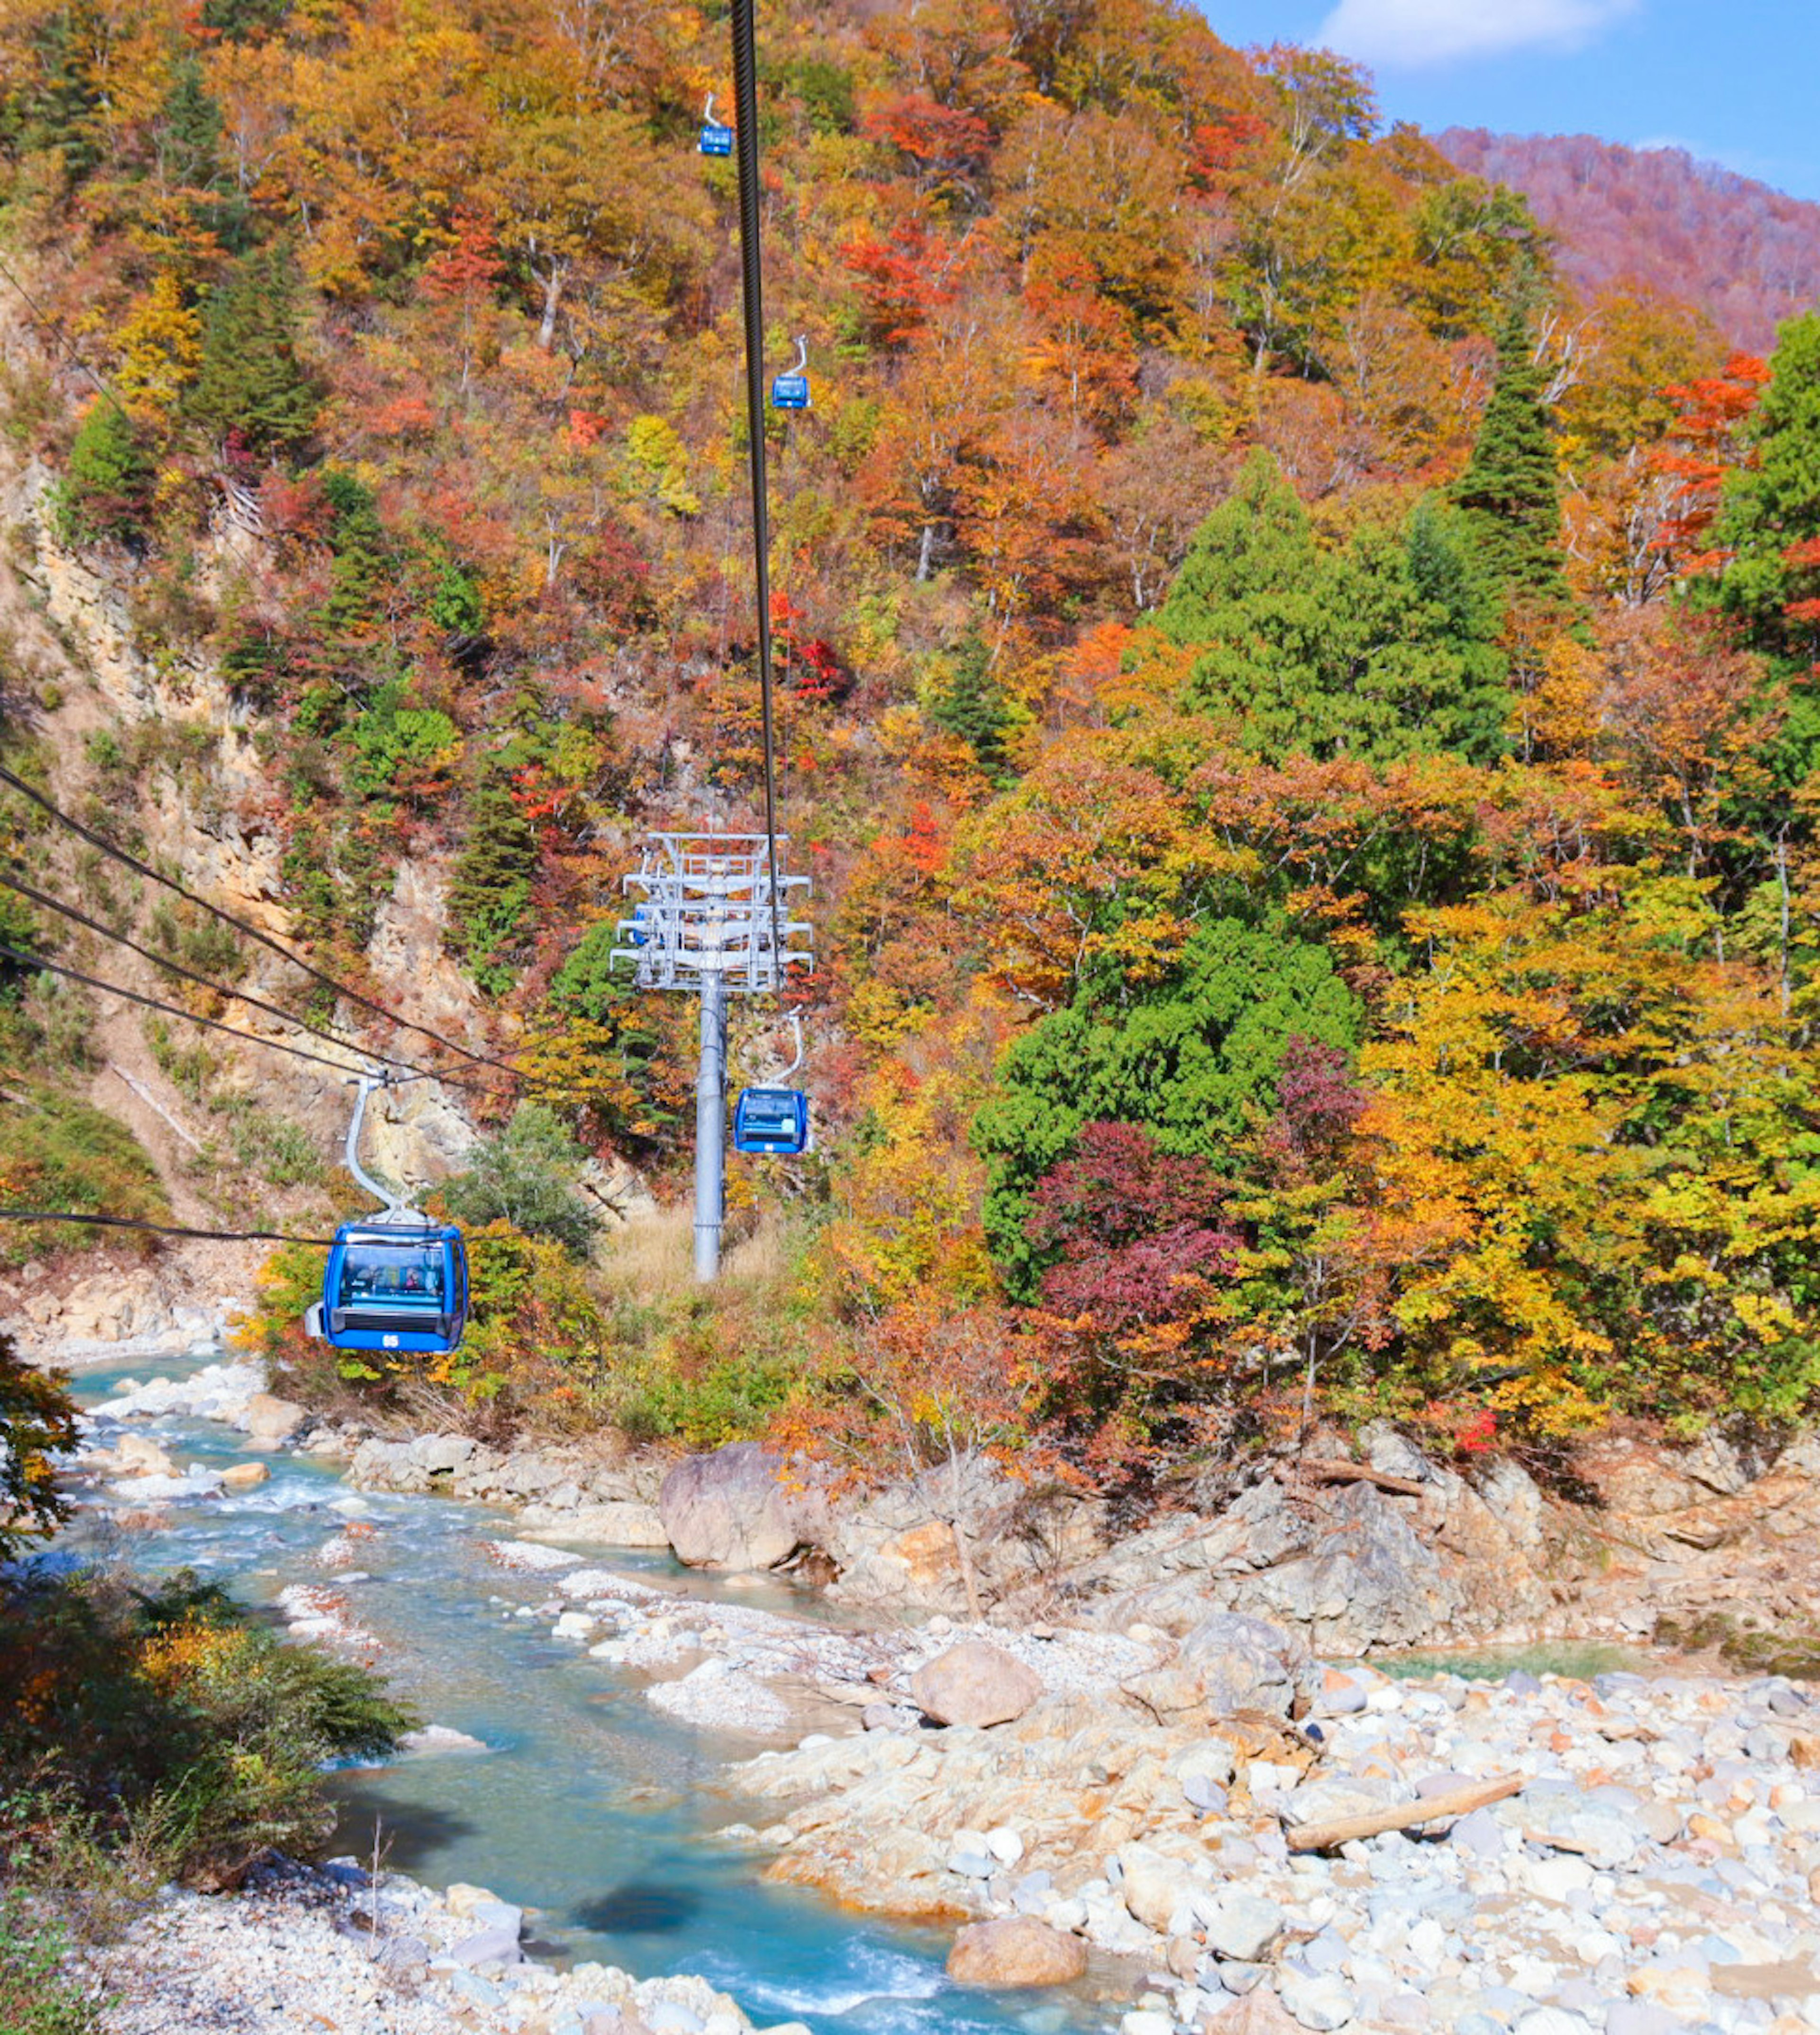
point(1655, 1870)
point(301, 1949)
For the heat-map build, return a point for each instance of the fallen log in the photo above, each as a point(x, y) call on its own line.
point(1334, 1472)
point(1404, 1815)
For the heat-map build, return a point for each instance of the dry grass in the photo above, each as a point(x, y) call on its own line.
point(653, 1259)
point(759, 1259)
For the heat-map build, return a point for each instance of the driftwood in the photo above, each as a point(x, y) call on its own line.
point(1404, 1815)
point(1326, 1472)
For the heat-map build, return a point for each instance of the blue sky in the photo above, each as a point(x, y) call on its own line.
point(1738, 84)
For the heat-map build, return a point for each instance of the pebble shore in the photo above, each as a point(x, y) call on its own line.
point(1656, 1871)
point(304, 1949)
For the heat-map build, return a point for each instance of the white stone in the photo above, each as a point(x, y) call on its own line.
point(1322, 2001)
point(1145, 2022)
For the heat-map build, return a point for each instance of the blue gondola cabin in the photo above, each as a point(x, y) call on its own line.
point(391, 1287)
point(790, 392)
point(771, 1120)
point(716, 139)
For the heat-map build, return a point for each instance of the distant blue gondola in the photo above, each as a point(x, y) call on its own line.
point(790, 391)
point(771, 1120)
point(717, 137)
point(388, 1286)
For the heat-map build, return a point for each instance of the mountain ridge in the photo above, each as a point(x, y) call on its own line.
point(1746, 254)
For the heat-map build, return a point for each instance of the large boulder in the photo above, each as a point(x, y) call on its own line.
point(138, 1455)
point(736, 1508)
point(1019, 1951)
point(442, 1455)
point(974, 1683)
point(1158, 1891)
point(1243, 1663)
point(270, 1422)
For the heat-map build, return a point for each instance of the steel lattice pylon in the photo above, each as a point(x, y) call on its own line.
point(709, 924)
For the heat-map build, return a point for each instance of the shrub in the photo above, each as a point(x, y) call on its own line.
point(104, 491)
point(61, 1154)
point(168, 1725)
point(36, 1997)
point(528, 1175)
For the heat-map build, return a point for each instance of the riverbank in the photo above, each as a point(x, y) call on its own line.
point(1648, 1861)
point(302, 1948)
point(1360, 1545)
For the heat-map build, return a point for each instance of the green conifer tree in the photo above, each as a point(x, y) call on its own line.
point(1510, 490)
point(189, 131)
point(104, 491)
point(60, 105)
point(362, 559)
point(1416, 632)
point(1769, 519)
point(972, 704)
point(1251, 597)
point(491, 895)
point(252, 386)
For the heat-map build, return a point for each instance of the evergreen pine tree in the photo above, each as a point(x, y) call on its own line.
point(1510, 491)
point(490, 894)
point(361, 560)
point(1252, 598)
point(189, 139)
point(1417, 632)
point(1769, 519)
point(189, 131)
point(972, 705)
point(251, 385)
point(60, 106)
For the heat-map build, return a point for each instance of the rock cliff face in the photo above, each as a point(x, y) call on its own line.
point(1354, 1557)
point(203, 805)
point(1426, 1558)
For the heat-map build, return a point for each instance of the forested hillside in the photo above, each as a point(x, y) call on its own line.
point(1300, 720)
point(1747, 256)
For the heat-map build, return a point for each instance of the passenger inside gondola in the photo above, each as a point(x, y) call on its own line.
point(399, 1278)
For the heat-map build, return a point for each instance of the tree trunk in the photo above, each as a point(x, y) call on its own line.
point(926, 554)
point(968, 1581)
point(552, 297)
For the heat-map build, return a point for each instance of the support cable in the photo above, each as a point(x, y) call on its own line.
point(29, 960)
point(44, 898)
point(43, 320)
point(160, 1228)
point(139, 868)
point(745, 151)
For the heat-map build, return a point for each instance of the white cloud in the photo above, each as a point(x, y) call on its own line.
point(1415, 35)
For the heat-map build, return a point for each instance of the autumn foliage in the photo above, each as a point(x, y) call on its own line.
point(1301, 714)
